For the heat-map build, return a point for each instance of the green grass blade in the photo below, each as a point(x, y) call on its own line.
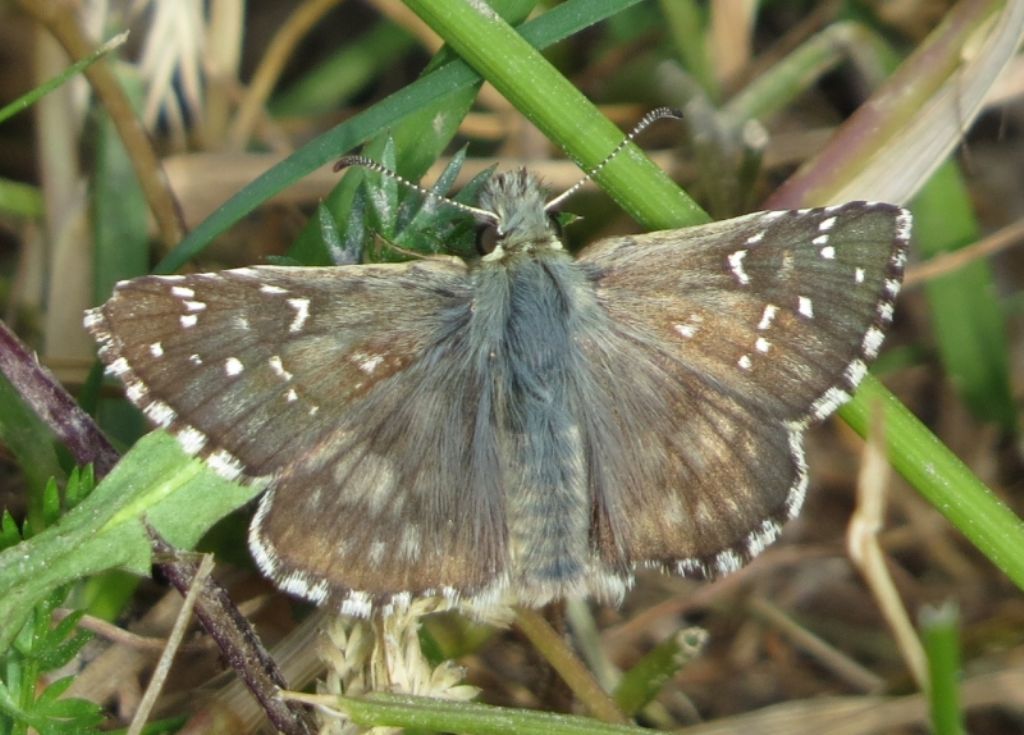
point(440, 715)
point(31, 97)
point(965, 312)
point(941, 644)
point(562, 113)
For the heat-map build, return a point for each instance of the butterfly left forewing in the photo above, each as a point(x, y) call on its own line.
point(323, 380)
point(747, 331)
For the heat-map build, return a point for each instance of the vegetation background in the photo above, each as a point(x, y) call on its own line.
point(204, 141)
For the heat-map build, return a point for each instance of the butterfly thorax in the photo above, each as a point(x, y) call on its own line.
point(522, 225)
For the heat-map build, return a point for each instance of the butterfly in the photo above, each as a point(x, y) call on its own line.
point(527, 425)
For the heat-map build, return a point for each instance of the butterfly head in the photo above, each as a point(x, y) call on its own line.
point(515, 219)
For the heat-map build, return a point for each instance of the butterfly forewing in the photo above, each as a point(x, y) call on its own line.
point(258, 371)
point(746, 331)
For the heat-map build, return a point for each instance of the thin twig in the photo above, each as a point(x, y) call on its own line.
point(163, 666)
point(568, 665)
point(119, 635)
point(941, 265)
point(825, 653)
point(44, 395)
point(867, 555)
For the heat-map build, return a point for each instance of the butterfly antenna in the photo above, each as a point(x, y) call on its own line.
point(368, 163)
point(659, 113)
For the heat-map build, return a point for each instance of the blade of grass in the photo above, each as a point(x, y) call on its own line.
point(939, 633)
point(562, 113)
point(31, 97)
point(425, 713)
point(898, 138)
point(966, 318)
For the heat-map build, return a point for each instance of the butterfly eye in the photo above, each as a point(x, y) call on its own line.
point(487, 238)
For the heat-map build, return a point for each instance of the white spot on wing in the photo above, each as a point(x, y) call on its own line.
point(357, 604)
point(767, 316)
point(195, 359)
point(744, 362)
point(368, 363)
point(118, 367)
point(798, 491)
point(872, 342)
point(301, 307)
point(136, 392)
point(832, 399)
point(233, 366)
point(760, 537)
point(762, 345)
point(278, 367)
point(156, 349)
point(159, 413)
point(268, 289)
point(727, 561)
point(820, 240)
point(188, 320)
point(685, 330)
point(805, 307)
point(827, 224)
point(904, 220)
point(191, 440)
point(828, 253)
point(183, 292)
point(855, 372)
point(93, 318)
point(225, 464)
point(755, 238)
point(858, 275)
point(195, 305)
point(736, 263)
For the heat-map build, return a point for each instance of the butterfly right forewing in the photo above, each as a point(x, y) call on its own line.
point(735, 337)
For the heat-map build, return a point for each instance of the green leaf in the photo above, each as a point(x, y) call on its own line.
point(155, 484)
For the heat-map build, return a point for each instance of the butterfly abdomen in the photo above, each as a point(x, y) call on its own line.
point(535, 387)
